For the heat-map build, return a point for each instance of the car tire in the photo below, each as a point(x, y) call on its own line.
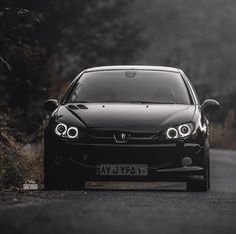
point(52, 177)
point(196, 184)
point(53, 181)
point(57, 178)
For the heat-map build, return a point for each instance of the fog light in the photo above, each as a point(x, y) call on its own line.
point(186, 161)
point(85, 157)
point(58, 160)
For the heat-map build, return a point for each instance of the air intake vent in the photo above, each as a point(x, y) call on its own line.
point(82, 106)
point(72, 107)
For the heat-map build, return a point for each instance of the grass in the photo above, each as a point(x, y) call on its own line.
point(223, 136)
point(20, 158)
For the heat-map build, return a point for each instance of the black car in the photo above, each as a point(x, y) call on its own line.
point(128, 123)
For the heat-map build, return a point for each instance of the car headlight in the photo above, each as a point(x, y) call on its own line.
point(62, 130)
point(180, 131)
point(72, 132)
point(184, 130)
point(172, 133)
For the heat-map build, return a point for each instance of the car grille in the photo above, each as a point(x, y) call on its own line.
point(108, 137)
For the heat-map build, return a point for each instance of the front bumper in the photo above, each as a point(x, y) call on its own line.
point(163, 160)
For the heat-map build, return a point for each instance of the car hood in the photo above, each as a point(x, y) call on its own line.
point(126, 117)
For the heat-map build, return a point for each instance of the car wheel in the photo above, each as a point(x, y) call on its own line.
point(196, 184)
point(52, 177)
point(57, 177)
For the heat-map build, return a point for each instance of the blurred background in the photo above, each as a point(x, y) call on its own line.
point(45, 44)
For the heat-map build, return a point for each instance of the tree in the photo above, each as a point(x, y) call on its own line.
point(49, 42)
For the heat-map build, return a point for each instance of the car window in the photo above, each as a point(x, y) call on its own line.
point(131, 86)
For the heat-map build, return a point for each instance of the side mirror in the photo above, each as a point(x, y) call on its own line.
point(210, 105)
point(50, 105)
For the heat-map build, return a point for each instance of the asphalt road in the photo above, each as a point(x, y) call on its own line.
point(130, 208)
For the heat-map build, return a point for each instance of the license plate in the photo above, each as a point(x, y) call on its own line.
point(122, 169)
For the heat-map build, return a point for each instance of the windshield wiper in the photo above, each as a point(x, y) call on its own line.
point(151, 102)
point(120, 101)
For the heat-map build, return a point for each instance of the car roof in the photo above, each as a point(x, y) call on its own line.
point(133, 67)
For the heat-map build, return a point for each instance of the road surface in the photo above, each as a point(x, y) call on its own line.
point(133, 208)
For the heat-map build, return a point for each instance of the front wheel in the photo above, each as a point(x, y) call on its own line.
point(196, 184)
point(57, 177)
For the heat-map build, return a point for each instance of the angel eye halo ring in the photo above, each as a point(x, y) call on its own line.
point(72, 132)
point(172, 133)
point(61, 129)
point(184, 130)
point(68, 132)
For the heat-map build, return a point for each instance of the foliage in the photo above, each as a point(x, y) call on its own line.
point(47, 43)
point(19, 160)
point(197, 36)
point(223, 136)
point(43, 45)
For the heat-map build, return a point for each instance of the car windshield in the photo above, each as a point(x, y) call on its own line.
point(131, 86)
